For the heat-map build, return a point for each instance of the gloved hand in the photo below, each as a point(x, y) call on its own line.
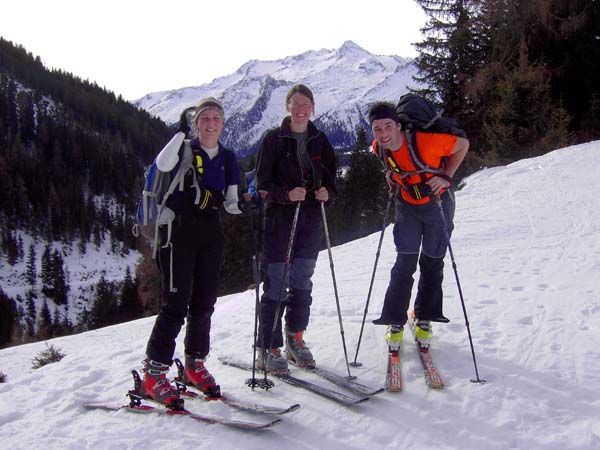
point(206, 198)
point(390, 181)
point(247, 205)
point(210, 200)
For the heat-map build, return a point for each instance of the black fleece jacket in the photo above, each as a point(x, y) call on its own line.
point(278, 169)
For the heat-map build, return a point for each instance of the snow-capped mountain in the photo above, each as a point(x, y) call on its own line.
point(345, 82)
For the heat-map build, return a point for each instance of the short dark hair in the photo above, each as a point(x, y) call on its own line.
point(383, 110)
point(299, 89)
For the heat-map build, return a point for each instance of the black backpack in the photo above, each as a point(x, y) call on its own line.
point(419, 114)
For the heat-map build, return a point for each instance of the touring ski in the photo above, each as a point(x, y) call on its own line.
point(342, 381)
point(136, 406)
point(432, 375)
point(393, 376)
point(330, 394)
point(193, 393)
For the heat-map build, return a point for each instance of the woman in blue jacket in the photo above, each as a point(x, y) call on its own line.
point(190, 258)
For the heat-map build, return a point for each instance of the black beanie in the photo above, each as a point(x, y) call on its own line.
point(383, 110)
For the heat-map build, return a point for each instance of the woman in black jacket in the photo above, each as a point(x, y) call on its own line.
point(296, 167)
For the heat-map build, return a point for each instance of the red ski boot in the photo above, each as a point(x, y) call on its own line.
point(195, 374)
point(156, 386)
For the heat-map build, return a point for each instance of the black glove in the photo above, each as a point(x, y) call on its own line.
point(248, 206)
point(206, 198)
point(210, 200)
point(244, 206)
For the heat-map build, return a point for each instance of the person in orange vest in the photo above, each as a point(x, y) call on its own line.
point(423, 177)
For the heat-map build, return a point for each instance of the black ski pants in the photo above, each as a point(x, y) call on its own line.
point(192, 261)
point(418, 229)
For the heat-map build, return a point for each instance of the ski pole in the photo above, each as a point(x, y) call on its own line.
point(256, 257)
point(462, 300)
point(337, 298)
point(362, 326)
point(288, 257)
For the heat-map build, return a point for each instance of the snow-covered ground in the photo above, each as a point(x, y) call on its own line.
point(527, 248)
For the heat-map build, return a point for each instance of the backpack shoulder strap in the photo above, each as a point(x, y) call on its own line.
point(185, 163)
point(415, 156)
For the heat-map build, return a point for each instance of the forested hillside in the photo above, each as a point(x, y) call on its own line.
point(72, 158)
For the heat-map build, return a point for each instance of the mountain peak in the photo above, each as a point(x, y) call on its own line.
point(351, 47)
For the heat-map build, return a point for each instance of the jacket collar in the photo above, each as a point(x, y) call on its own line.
point(286, 130)
point(195, 145)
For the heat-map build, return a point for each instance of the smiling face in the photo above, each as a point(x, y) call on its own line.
point(300, 108)
point(210, 127)
point(388, 133)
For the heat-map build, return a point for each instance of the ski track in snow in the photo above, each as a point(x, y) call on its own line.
point(527, 249)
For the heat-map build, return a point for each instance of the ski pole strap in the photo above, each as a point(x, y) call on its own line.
point(447, 178)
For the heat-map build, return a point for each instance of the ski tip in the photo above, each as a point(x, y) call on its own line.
point(361, 399)
point(294, 407)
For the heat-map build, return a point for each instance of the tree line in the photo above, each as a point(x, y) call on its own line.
point(519, 75)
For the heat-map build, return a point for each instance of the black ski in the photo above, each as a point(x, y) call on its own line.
point(342, 381)
point(136, 406)
point(330, 394)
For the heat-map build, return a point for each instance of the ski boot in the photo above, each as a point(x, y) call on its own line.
point(275, 363)
point(195, 374)
point(156, 386)
point(423, 333)
point(296, 350)
point(394, 336)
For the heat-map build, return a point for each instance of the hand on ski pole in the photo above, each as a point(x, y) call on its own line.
point(298, 194)
point(391, 183)
point(322, 194)
point(438, 183)
point(251, 200)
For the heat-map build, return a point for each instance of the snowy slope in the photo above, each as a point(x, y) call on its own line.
point(83, 271)
point(527, 249)
point(345, 82)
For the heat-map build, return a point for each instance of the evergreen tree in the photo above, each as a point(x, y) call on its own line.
point(363, 192)
point(84, 322)
point(60, 285)
point(31, 273)
point(8, 315)
point(30, 313)
point(450, 54)
point(47, 272)
point(512, 91)
point(57, 328)
point(10, 246)
point(26, 117)
point(129, 306)
point(105, 309)
point(45, 328)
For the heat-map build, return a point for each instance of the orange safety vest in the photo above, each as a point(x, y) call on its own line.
point(433, 148)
